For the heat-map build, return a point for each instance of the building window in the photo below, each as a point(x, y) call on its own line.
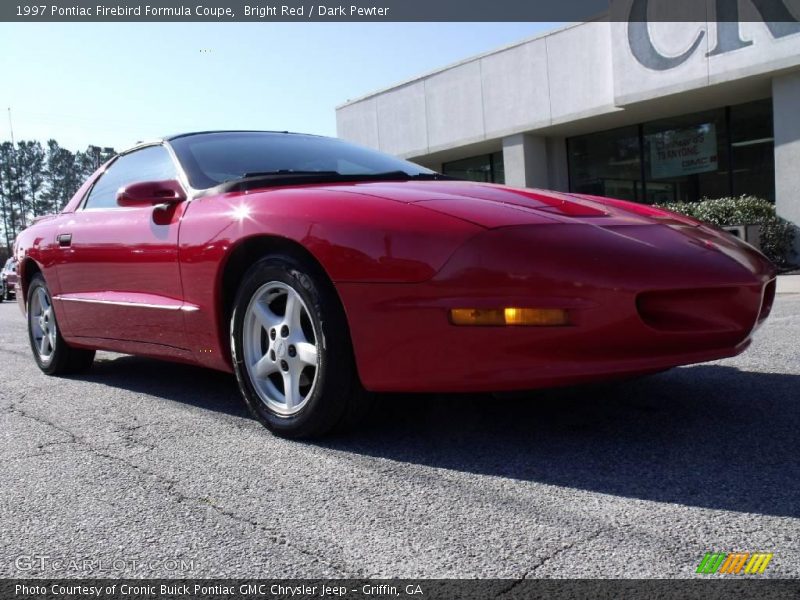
point(486, 168)
point(686, 158)
point(607, 164)
point(752, 150)
point(712, 154)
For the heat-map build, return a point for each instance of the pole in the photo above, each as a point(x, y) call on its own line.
point(16, 180)
point(10, 126)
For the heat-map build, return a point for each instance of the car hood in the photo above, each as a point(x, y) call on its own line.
point(490, 205)
point(494, 206)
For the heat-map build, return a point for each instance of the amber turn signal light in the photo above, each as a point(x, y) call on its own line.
point(532, 317)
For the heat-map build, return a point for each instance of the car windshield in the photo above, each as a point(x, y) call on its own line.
point(210, 159)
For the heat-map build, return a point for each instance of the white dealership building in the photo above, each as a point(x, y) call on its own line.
point(650, 112)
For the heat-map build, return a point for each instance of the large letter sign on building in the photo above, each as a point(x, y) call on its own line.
point(776, 16)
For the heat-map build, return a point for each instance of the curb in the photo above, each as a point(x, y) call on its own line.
point(788, 284)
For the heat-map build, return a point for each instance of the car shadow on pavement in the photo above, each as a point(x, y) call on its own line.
point(708, 436)
point(195, 386)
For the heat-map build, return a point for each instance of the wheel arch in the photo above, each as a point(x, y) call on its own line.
point(26, 270)
point(244, 255)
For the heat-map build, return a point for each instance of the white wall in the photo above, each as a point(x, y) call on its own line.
point(579, 72)
point(786, 111)
point(525, 161)
point(551, 79)
point(764, 54)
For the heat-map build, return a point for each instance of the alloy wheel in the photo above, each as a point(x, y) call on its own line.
point(280, 347)
point(43, 324)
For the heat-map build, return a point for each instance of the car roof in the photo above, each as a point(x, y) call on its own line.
point(175, 136)
point(213, 131)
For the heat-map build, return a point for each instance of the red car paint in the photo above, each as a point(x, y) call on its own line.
point(645, 290)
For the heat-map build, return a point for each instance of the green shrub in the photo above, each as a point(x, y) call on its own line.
point(777, 234)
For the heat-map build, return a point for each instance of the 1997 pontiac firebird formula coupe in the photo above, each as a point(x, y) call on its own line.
point(318, 271)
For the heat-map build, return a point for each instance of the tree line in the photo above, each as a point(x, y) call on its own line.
point(38, 179)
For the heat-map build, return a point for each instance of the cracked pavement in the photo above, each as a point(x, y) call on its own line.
point(160, 463)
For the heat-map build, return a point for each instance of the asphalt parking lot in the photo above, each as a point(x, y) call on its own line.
point(142, 468)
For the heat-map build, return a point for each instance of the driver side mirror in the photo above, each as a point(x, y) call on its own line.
point(151, 193)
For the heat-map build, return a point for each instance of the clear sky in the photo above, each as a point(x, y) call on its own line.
point(112, 84)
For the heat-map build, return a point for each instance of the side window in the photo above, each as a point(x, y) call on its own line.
point(148, 164)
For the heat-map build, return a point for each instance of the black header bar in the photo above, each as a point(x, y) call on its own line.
point(777, 11)
point(408, 589)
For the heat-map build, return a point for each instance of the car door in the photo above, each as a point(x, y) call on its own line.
point(118, 271)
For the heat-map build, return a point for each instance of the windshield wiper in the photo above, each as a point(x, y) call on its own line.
point(290, 172)
point(346, 176)
point(402, 175)
point(284, 177)
point(430, 176)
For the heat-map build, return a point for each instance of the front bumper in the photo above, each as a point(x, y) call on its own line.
point(640, 299)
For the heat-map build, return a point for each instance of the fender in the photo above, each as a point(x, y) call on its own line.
point(354, 237)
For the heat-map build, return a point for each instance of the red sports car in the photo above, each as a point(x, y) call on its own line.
point(317, 270)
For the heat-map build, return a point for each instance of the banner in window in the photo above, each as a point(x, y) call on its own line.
point(678, 152)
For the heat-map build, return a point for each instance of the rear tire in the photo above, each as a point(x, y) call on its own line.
point(291, 350)
point(52, 354)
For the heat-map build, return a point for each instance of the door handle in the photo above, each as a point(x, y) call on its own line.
point(64, 239)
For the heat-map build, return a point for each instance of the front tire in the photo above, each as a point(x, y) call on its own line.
point(52, 354)
point(291, 350)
